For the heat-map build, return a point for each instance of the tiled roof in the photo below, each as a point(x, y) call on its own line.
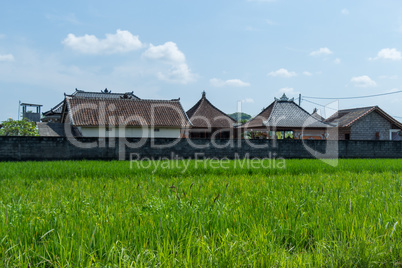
point(156, 113)
point(55, 130)
point(102, 95)
point(204, 114)
point(286, 114)
point(317, 116)
point(346, 117)
point(58, 109)
point(55, 110)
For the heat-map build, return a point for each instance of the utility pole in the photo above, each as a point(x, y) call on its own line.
point(299, 99)
point(19, 106)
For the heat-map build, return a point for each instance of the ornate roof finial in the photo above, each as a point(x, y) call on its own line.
point(126, 96)
point(106, 91)
point(284, 98)
point(203, 94)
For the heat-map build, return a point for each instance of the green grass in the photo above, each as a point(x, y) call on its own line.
point(104, 214)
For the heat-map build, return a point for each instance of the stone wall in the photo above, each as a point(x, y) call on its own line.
point(54, 148)
point(367, 127)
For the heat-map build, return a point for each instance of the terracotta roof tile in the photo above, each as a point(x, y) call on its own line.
point(204, 113)
point(112, 112)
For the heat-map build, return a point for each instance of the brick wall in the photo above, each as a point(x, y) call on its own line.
point(52, 148)
point(367, 127)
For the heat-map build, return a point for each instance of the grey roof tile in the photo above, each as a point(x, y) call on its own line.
point(58, 109)
point(285, 114)
point(347, 117)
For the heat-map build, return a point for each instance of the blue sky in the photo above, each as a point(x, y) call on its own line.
point(239, 50)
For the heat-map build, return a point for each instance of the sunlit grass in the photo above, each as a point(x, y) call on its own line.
point(92, 213)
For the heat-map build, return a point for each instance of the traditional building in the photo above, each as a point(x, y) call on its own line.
point(317, 115)
point(209, 122)
point(284, 119)
point(366, 123)
point(126, 117)
point(54, 114)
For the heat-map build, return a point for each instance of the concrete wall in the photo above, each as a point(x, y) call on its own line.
point(53, 148)
point(130, 132)
point(367, 127)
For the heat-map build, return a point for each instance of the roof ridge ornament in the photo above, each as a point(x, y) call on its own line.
point(284, 98)
point(126, 96)
point(106, 91)
point(203, 94)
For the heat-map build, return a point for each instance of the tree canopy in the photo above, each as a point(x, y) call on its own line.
point(240, 117)
point(22, 127)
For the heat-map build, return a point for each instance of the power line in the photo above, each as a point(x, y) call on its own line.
point(358, 97)
point(325, 106)
point(320, 105)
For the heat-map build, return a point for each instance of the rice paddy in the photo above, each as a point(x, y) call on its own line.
point(120, 214)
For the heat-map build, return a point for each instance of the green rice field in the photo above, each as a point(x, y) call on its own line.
point(303, 213)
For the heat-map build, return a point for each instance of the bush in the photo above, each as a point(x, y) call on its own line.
point(18, 128)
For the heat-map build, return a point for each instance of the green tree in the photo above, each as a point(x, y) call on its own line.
point(18, 128)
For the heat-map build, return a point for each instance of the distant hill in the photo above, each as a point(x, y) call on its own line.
point(240, 116)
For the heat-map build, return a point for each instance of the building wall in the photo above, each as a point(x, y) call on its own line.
point(34, 117)
point(130, 132)
point(313, 134)
point(367, 127)
point(53, 148)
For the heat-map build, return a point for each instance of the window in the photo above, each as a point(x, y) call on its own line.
point(347, 136)
point(280, 135)
point(395, 134)
point(156, 129)
point(288, 134)
point(108, 129)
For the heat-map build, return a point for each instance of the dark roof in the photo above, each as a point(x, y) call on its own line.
point(204, 114)
point(317, 116)
point(104, 94)
point(285, 113)
point(30, 104)
point(156, 113)
point(347, 117)
point(54, 130)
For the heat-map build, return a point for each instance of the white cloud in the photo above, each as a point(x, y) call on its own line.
point(363, 81)
point(170, 54)
point(69, 18)
point(288, 91)
point(321, 51)
point(307, 73)
point(337, 61)
point(282, 73)
point(247, 100)
point(229, 83)
point(345, 11)
point(270, 22)
point(388, 54)
point(122, 41)
point(393, 77)
point(6, 57)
